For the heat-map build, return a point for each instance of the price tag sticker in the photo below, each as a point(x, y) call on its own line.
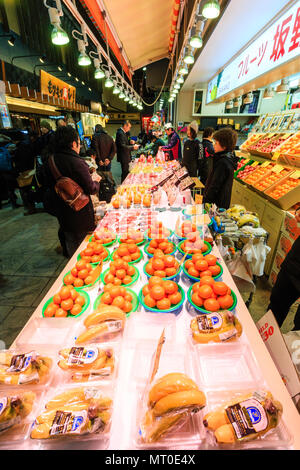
point(255, 164)
point(277, 169)
point(276, 155)
point(295, 175)
point(265, 164)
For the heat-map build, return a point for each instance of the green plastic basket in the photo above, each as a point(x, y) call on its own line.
point(84, 308)
point(129, 262)
point(135, 302)
point(171, 278)
point(202, 310)
point(197, 279)
point(174, 309)
point(168, 237)
point(138, 244)
point(189, 256)
point(134, 278)
point(87, 286)
point(105, 244)
point(150, 255)
point(95, 264)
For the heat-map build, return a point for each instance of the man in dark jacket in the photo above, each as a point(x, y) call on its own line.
point(207, 152)
point(219, 183)
point(157, 142)
point(286, 289)
point(124, 149)
point(174, 144)
point(74, 224)
point(191, 150)
point(105, 148)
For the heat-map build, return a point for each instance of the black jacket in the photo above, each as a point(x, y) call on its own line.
point(124, 149)
point(158, 143)
point(104, 146)
point(190, 159)
point(206, 159)
point(70, 164)
point(291, 264)
point(219, 183)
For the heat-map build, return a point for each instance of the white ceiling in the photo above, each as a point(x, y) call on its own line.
point(241, 21)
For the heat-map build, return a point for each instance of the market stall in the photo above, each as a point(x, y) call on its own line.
point(99, 307)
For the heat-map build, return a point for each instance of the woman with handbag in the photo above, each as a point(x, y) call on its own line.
point(69, 186)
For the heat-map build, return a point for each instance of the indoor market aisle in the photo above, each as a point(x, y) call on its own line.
point(29, 265)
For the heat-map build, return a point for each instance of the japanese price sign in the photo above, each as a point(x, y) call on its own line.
point(55, 87)
point(277, 45)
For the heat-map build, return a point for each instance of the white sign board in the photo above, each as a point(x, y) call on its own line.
point(278, 44)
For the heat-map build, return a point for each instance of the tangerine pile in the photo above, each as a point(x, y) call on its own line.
point(186, 228)
point(132, 236)
point(161, 244)
point(104, 235)
point(161, 294)
point(94, 252)
point(80, 275)
point(157, 230)
point(127, 252)
point(193, 244)
point(120, 272)
point(200, 266)
point(212, 295)
point(67, 300)
point(117, 296)
point(162, 265)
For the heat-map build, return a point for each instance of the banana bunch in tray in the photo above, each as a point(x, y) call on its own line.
point(106, 320)
point(20, 369)
point(171, 401)
point(14, 408)
point(75, 412)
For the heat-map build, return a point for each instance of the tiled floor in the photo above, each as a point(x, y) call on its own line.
point(29, 265)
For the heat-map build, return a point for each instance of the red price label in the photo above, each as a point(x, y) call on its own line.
point(267, 333)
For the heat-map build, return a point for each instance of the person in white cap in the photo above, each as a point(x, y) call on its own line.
point(191, 150)
point(174, 144)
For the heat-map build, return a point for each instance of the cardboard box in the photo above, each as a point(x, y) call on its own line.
point(290, 227)
point(291, 197)
point(285, 244)
point(280, 353)
point(273, 275)
point(278, 260)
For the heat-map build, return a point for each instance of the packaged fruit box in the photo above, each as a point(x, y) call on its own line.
point(268, 149)
point(276, 174)
point(251, 140)
point(260, 172)
point(249, 169)
point(286, 192)
point(291, 146)
point(256, 147)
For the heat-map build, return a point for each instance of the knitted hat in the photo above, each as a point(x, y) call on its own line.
point(194, 125)
point(46, 125)
point(169, 125)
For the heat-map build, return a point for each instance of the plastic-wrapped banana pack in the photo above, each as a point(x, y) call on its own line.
point(86, 363)
point(14, 409)
point(171, 401)
point(244, 418)
point(24, 368)
point(75, 412)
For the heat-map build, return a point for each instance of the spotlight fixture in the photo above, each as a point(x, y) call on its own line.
point(268, 93)
point(189, 58)
point(180, 79)
point(196, 40)
point(211, 9)
point(122, 94)
point(177, 86)
point(83, 59)
point(59, 37)
point(183, 70)
point(144, 68)
point(98, 74)
point(108, 82)
point(42, 59)
point(126, 97)
point(69, 75)
point(77, 79)
point(59, 68)
point(249, 98)
point(11, 39)
point(283, 87)
point(116, 90)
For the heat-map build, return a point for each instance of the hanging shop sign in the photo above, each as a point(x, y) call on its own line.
point(124, 116)
point(5, 121)
point(280, 43)
point(55, 87)
point(90, 120)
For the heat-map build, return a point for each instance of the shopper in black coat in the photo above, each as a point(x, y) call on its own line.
point(105, 148)
point(73, 224)
point(207, 153)
point(191, 150)
point(219, 183)
point(124, 148)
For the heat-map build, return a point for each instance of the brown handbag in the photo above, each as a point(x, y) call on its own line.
point(69, 191)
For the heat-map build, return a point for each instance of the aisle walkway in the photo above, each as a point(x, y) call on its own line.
point(29, 265)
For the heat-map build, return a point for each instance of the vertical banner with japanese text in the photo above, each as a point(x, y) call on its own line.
point(280, 43)
point(55, 87)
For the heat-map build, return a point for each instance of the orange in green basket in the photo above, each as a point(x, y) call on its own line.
point(66, 300)
point(161, 294)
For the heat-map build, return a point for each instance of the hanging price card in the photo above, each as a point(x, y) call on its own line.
point(265, 164)
point(295, 175)
point(277, 169)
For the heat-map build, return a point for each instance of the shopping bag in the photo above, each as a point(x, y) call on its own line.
point(241, 273)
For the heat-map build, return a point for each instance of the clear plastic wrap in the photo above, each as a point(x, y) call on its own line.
point(17, 409)
point(22, 367)
point(73, 415)
point(256, 417)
